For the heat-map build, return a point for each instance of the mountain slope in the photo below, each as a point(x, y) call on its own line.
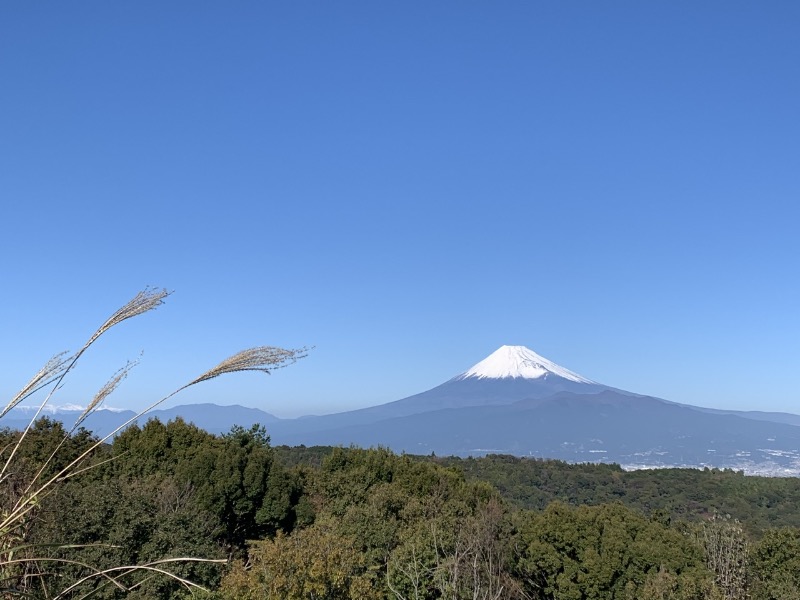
point(608, 426)
point(509, 374)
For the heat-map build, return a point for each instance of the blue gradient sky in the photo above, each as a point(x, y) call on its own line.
point(405, 186)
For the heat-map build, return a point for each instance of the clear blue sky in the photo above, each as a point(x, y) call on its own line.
point(405, 186)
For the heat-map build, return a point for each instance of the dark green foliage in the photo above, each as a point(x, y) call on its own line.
point(163, 491)
point(775, 562)
point(758, 503)
point(228, 477)
point(607, 552)
point(44, 441)
point(293, 456)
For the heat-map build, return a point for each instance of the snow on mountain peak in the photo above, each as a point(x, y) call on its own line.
point(518, 361)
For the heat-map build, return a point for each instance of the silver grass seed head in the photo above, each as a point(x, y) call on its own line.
point(49, 372)
point(262, 358)
point(146, 300)
point(105, 391)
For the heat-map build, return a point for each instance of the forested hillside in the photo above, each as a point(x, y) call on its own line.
point(334, 523)
point(758, 502)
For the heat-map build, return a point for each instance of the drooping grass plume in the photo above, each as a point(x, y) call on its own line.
point(262, 358)
point(105, 391)
point(47, 374)
point(146, 300)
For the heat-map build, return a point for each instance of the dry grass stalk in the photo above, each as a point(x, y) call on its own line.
point(114, 575)
point(154, 566)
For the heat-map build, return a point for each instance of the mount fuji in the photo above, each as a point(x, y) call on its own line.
point(517, 402)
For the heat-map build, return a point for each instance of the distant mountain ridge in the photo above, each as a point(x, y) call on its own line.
point(211, 417)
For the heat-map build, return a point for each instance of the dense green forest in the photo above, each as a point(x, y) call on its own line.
point(758, 503)
point(347, 523)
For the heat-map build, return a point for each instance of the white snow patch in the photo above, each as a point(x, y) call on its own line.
point(518, 361)
point(54, 409)
point(49, 408)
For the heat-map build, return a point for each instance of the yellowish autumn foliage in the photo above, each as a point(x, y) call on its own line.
point(311, 563)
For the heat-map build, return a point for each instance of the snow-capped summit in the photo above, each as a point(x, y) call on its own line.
point(518, 362)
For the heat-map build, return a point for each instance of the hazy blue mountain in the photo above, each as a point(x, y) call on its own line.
point(211, 417)
point(608, 426)
point(757, 415)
